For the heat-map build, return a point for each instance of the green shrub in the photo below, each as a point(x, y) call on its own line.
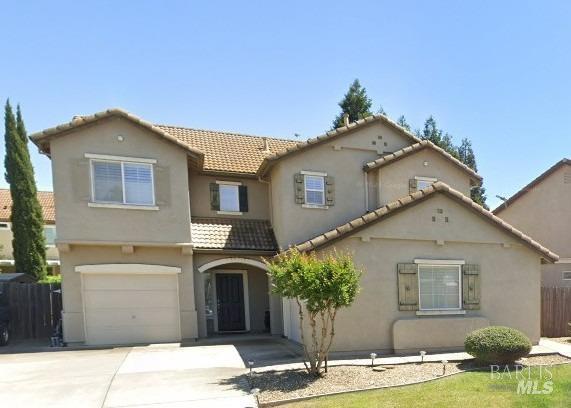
point(497, 344)
point(51, 279)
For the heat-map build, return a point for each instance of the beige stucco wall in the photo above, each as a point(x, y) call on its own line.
point(510, 278)
point(394, 178)
point(89, 255)
point(544, 212)
point(552, 275)
point(343, 158)
point(77, 221)
point(199, 186)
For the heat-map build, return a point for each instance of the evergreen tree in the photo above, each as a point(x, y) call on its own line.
point(403, 123)
point(467, 156)
point(355, 103)
point(437, 136)
point(28, 242)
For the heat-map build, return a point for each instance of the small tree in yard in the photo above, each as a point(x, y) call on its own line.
point(320, 288)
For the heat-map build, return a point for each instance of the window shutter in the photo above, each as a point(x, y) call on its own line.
point(471, 286)
point(162, 182)
point(81, 180)
point(299, 188)
point(408, 286)
point(329, 190)
point(214, 197)
point(243, 198)
point(412, 186)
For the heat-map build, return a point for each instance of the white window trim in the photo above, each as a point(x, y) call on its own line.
point(229, 183)
point(422, 178)
point(442, 262)
point(7, 227)
point(563, 275)
point(108, 157)
point(124, 204)
point(440, 312)
point(433, 262)
point(314, 205)
point(313, 173)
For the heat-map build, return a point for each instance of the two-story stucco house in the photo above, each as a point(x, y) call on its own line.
point(46, 199)
point(543, 209)
point(161, 230)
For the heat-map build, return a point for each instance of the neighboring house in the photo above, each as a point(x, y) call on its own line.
point(46, 199)
point(543, 209)
point(161, 230)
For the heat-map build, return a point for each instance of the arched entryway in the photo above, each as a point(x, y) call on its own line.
point(233, 296)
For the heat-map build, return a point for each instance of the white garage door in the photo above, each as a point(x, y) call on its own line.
point(123, 309)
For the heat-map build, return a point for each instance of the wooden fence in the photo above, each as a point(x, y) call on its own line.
point(35, 309)
point(555, 312)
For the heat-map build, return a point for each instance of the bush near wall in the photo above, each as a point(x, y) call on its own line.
point(497, 344)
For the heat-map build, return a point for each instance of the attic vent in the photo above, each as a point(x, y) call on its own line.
point(567, 275)
point(567, 177)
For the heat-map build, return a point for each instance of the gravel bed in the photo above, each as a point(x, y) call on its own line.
point(564, 340)
point(278, 385)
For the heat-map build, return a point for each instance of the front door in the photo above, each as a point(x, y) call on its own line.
point(230, 299)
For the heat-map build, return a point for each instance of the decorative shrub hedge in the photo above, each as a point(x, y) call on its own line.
point(497, 344)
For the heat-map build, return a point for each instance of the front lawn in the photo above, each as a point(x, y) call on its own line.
point(470, 390)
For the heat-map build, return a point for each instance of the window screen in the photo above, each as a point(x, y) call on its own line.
point(315, 190)
point(439, 286)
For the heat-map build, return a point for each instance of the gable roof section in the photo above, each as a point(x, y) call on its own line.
point(331, 135)
point(532, 184)
point(229, 152)
point(42, 138)
point(409, 150)
point(385, 212)
point(46, 199)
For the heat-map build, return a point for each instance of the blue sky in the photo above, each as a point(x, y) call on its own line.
point(498, 73)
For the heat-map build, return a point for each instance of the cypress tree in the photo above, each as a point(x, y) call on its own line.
point(356, 103)
point(28, 242)
point(403, 123)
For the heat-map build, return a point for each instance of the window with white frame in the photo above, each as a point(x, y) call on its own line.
point(4, 226)
point(229, 197)
point(439, 287)
point(424, 182)
point(122, 182)
point(314, 189)
point(566, 275)
point(50, 236)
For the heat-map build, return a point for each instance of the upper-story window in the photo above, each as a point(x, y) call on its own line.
point(229, 197)
point(424, 182)
point(314, 189)
point(127, 182)
point(50, 235)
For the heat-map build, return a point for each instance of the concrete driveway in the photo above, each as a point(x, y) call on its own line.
point(150, 376)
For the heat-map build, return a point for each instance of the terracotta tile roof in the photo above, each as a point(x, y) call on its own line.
point(224, 233)
point(402, 204)
point(229, 152)
point(423, 144)
point(41, 138)
point(269, 160)
point(46, 199)
point(532, 184)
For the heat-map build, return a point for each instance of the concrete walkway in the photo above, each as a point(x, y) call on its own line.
point(165, 375)
point(544, 348)
point(563, 349)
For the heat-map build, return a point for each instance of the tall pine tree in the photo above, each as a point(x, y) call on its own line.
point(403, 123)
point(467, 156)
point(356, 103)
point(437, 136)
point(28, 242)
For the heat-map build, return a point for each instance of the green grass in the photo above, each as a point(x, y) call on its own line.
point(467, 390)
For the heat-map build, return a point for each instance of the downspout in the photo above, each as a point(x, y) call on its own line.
point(271, 208)
point(366, 192)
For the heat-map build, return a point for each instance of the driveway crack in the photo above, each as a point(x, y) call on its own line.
point(113, 377)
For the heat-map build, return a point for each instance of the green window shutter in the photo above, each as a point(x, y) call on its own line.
point(329, 190)
point(81, 180)
point(412, 186)
point(162, 186)
point(214, 197)
point(243, 198)
point(471, 286)
point(299, 188)
point(408, 286)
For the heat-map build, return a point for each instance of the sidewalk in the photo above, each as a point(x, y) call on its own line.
point(545, 347)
